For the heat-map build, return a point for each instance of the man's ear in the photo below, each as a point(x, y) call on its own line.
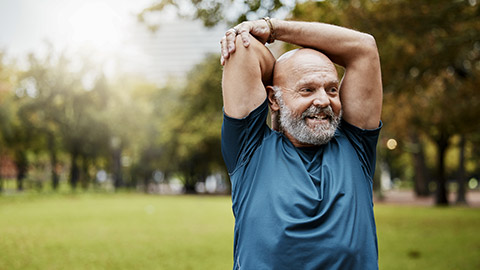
point(274, 107)
point(272, 100)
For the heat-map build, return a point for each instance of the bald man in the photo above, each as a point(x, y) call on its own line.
point(302, 191)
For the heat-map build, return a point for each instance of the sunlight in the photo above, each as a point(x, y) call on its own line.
point(96, 25)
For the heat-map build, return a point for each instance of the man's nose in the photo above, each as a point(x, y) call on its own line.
point(321, 98)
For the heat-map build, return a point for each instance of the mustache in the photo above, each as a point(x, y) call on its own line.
point(314, 110)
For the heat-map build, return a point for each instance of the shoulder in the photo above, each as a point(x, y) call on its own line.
point(360, 142)
point(347, 129)
point(242, 136)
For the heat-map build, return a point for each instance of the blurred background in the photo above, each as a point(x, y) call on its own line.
point(124, 97)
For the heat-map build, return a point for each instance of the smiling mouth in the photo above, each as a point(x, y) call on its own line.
point(318, 117)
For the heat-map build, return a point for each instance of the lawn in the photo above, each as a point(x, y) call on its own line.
point(134, 231)
point(428, 238)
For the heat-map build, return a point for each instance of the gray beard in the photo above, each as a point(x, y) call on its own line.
point(297, 126)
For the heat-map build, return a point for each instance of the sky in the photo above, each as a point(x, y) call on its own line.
point(25, 24)
point(109, 32)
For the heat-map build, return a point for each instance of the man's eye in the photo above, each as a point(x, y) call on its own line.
point(307, 90)
point(333, 90)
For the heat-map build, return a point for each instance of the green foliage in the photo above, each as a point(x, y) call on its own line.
point(63, 108)
point(430, 53)
point(17, 134)
point(191, 131)
point(62, 111)
point(132, 120)
point(126, 126)
point(61, 105)
point(213, 12)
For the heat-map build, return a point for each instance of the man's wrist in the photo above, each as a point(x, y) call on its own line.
point(272, 34)
point(279, 26)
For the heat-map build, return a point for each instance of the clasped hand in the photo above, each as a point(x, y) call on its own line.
point(258, 29)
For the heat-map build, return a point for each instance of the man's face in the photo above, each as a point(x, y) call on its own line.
point(308, 98)
point(315, 126)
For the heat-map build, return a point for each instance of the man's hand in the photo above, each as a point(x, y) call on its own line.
point(259, 29)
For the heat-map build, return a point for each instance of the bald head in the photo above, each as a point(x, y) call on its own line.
point(295, 63)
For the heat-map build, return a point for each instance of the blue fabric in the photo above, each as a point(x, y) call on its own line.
point(300, 208)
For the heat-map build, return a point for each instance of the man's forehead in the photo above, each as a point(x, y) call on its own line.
point(302, 62)
point(287, 55)
point(316, 77)
point(302, 54)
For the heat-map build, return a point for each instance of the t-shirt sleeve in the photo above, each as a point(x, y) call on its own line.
point(365, 143)
point(240, 137)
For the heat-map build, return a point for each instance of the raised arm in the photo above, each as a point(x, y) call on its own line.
point(247, 71)
point(361, 88)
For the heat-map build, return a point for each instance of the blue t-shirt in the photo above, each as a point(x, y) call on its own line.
point(300, 208)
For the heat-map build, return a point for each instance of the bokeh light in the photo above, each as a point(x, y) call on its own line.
point(392, 144)
point(473, 183)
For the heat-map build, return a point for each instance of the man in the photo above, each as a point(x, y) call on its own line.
point(302, 195)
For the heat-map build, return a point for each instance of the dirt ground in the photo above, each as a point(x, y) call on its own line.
point(407, 197)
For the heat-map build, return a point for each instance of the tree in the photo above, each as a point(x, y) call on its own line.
point(191, 132)
point(213, 12)
point(429, 50)
point(429, 53)
point(133, 119)
point(64, 111)
point(18, 135)
point(6, 88)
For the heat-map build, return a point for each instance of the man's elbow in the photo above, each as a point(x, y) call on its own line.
point(369, 46)
point(369, 41)
point(362, 50)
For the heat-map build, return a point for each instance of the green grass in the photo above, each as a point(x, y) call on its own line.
point(428, 238)
point(134, 231)
point(116, 232)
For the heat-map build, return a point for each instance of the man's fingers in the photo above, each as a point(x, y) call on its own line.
point(245, 38)
point(228, 44)
point(224, 50)
point(243, 30)
point(228, 40)
point(230, 36)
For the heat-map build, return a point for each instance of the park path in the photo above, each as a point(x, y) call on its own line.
point(407, 197)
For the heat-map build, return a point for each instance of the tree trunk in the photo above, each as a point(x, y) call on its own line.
point(22, 167)
point(1, 175)
point(421, 177)
point(377, 181)
point(20, 177)
point(55, 178)
point(74, 170)
point(146, 182)
point(53, 161)
point(189, 183)
point(85, 177)
point(441, 192)
point(117, 168)
point(461, 198)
